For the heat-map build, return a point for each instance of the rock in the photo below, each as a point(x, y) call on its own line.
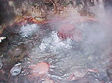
point(16, 70)
point(2, 38)
point(39, 69)
point(1, 65)
point(69, 31)
point(109, 73)
point(7, 12)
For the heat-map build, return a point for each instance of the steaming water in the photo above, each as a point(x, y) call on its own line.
point(28, 30)
point(54, 44)
point(68, 57)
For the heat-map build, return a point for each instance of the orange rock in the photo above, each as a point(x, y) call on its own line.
point(40, 69)
point(69, 31)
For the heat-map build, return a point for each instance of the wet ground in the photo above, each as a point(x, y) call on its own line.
point(70, 61)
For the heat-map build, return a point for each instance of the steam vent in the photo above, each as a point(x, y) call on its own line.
point(55, 41)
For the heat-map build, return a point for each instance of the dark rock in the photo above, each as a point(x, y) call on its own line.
point(6, 12)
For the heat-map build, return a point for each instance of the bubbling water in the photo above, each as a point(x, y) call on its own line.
point(28, 30)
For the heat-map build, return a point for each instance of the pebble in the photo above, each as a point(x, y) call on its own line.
point(40, 68)
point(16, 70)
point(2, 38)
point(1, 65)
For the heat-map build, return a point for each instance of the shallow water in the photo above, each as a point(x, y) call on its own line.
point(33, 43)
